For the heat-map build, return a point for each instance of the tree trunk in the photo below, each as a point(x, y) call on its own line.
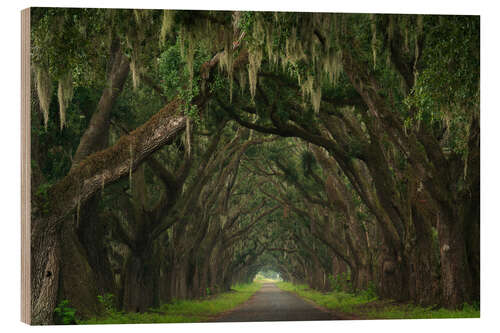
point(95, 137)
point(140, 284)
point(454, 266)
point(77, 279)
point(91, 234)
point(394, 275)
point(91, 174)
point(45, 257)
point(423, 285)
point(181, 288)
point(204, 276)
point(89, 245)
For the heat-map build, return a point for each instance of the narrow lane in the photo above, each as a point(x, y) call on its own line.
point(273, 304)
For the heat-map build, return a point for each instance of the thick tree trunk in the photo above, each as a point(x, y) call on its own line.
point(458, 231)
point(95, 137)
point(45, 256)
point(165, 284)
point(91, 234)
point(362, 276)
point(140, 284)
point(204, 276)
point(339, 266)
point(80, 184)
point(473, 246)
point(472, 210)
point(424, 283)
point(454, 266)
point(195, 283)
point(91, 174)
point(90, 244)
point(181, 287)
point(77, 279)
point(394, 275)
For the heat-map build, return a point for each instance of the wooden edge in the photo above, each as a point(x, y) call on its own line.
point(25, 168)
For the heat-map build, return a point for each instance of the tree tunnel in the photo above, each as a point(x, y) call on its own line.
point(197, 148)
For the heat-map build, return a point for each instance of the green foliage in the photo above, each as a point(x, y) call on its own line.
point(56, 146)
point(108, 302)
point(267, 274)
point(188, 108)
point(179, 311)
point(301, 58)
point(64, 314)
point(447, 89)
point(174, 75)
point(308, 162)
point(366, 305)
point(338, 300)
point(409, 311)
point(246, 21)
point(355, 148)
point(41, 197)
point(341, 282)
point(172, 70)
point(368, 293)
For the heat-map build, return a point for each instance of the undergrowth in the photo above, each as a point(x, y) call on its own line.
point(338, 300)
point(178, 311)
point(366, 305)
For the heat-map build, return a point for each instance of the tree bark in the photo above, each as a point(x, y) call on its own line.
point(95, 137)
point(82, 182)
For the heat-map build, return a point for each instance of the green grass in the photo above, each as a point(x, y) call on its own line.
point(410, 311)
point(366, 306)
point(182, 311)
point(342, 301)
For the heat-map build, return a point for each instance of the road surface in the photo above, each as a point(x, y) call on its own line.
point(273, 304)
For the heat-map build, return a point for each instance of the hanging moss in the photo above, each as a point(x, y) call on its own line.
point(417, 36)
point(373, 26)
point(131, 165)
point(390, 28)
point(190, 60)
point(227, 60)
point(332, 65)
point(243, 80)
point(316, 97)
point(310, 87)
point(44, 91)
point(271, 56)
point(254, 62)
point(135, 37)
point(404, 27)
point(255, 55)
point(420, 24)
point(188, 136)
point(195, 29)
point(167, 24)
point(135, 73)
point(134, 46)
point(64, 95)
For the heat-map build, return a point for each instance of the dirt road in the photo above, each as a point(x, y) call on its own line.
point(273, 304)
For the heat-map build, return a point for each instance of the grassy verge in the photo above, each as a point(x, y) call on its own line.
point(366, 306)
point(182, 311)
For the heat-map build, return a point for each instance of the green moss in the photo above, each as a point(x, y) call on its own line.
point(70, 186)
